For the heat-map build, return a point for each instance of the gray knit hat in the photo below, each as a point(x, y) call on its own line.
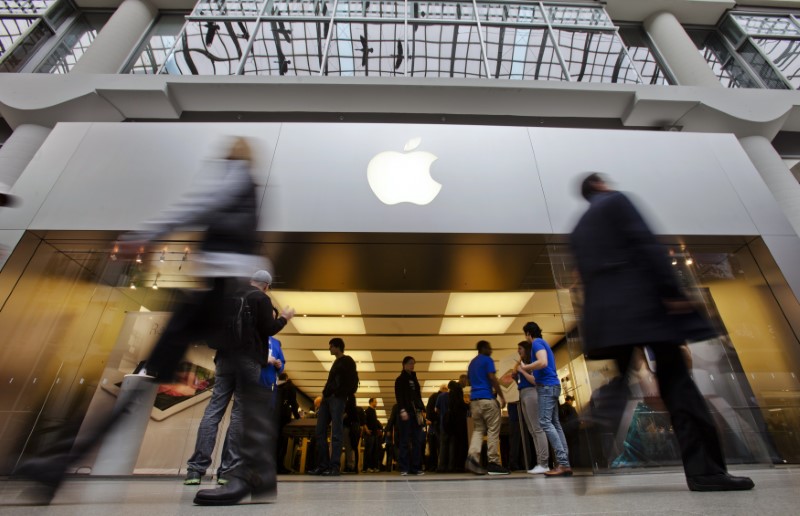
point(262, 276)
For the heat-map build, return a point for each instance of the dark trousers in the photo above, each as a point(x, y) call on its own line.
point(371, 446)
point(330, 412)
point(433, 447)
point(694, 427)
point(411, 439)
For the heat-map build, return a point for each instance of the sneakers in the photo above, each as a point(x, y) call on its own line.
point(418, 473)
point(192, 478)
point(496, 469)
point(538, 470)
point(404, 473)
point(332, 472)
point(222, 481)
point(474, 466)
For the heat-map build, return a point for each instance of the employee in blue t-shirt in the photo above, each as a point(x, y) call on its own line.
point(548, 387)
point(485, 413)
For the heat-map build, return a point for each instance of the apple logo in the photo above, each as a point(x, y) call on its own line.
point(397, 177)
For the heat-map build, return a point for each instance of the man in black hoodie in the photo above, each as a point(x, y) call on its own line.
point(342, 383)
point(410, 419)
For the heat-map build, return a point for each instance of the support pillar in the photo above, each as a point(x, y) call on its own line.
point(680, 53)
point(112, 46)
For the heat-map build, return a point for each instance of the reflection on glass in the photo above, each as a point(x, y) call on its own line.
point(729, 72)
point(516, 13)
point(301, 8)
point(573, 15)
point(228, 7)
point(522, 53)
point(595, 57)
point(15, 59)
point(367, 49)
point(210, 48)
point(440, 11)
point(762, 68)
point(158, 45)
point(639, 50)
point(288, 48)
point(25, 6)
point(10, 31)
point(445, 51)
point(767, 25)
point(392, 9)
point(784, 55)
point(74, 44)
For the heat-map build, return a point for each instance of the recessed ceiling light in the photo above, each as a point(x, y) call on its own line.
point(330, 325)
point(318, 303)
point(475, 325)
point(487, 303)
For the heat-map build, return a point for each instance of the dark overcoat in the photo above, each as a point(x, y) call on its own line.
point(626, 276)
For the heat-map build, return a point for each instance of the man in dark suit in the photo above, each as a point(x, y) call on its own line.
point(633, 298)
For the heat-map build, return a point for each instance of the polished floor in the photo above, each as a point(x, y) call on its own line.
point(777, 492)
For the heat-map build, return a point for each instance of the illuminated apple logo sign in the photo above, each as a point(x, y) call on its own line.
point(397, 177)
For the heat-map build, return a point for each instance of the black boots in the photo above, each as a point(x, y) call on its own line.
point(236, 491)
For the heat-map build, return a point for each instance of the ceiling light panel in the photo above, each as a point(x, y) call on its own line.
point(330, 325)
point(363, 359)
point(487, 303)
point(436, 367)
point(475, 325)
point(318, 303)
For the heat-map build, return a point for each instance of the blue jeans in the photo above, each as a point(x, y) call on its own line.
point(548, 419)
point(410, 434)
point(330, 412)
point(224, 388)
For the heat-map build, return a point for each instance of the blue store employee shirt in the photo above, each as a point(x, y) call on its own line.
point(548, 375)
point(269, 375)
point(478, 373)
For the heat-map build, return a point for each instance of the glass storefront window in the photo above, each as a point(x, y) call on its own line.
point(158, 43)
point(288, 48)
point(22, 36)
point(74, 43)
point(642, 54)
point(747, 375)
point(458, 39)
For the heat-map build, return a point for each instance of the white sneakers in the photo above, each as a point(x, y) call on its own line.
point(537, 470)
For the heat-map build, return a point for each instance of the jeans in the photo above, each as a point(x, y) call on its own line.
point(548, 419)
point(410, 433)
point(330, 412)
point(224, 388)
point(529, 402)
point(485, 419)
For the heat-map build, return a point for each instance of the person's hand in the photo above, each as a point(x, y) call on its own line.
point(287, 313)
point(521, 369)
point(502, 400)
point(403, 415)
point(276, 362)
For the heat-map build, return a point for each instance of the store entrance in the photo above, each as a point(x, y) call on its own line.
point(392, 295)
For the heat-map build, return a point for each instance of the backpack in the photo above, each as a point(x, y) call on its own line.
point(238, 329)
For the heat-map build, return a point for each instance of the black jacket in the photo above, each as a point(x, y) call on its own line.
point(626, 276)
point(266, 323)
point(372, 420)
point(342, 378)
point(407, 392)
point(287, 394)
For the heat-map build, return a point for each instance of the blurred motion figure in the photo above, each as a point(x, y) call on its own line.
point(633, 298)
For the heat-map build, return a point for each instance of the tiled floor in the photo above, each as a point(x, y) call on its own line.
point(777, 492)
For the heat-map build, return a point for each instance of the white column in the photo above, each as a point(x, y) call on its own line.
point(19, 149)
point(777, 176)
point(680, 53)
point(112, 46)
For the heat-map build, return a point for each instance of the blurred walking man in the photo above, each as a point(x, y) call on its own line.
point(633, 298)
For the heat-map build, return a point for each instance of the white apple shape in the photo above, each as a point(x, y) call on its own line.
point(397, 177)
